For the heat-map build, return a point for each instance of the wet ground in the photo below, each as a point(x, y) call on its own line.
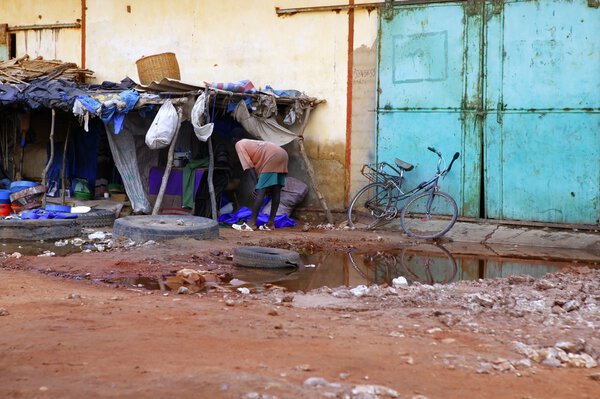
point(106, 319)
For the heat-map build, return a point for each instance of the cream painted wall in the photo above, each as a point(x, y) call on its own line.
point(224, 40)
point(62, 44)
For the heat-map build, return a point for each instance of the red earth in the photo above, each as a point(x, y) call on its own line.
point(66, 333)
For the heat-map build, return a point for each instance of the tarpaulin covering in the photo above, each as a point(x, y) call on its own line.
point(266, 129)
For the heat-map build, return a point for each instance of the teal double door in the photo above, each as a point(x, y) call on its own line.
point(514, 86)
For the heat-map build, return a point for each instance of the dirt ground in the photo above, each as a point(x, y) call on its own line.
point(66, 333)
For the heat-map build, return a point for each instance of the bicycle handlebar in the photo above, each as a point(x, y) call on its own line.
point(434, 151)
point(454, 158)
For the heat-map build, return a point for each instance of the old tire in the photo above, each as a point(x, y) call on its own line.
point(39, 229)
point(165, 227)
point(96, 218)
point(265, 257)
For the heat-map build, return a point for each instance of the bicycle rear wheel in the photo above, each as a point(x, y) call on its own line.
point(370, 206)
point(429, 215)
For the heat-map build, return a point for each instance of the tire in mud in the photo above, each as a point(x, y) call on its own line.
point(38, 229)
point(265, 257)
point(165, 227)
point(96, 218)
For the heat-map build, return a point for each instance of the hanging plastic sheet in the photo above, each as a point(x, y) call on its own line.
point(123, 150)
point(263, 129)
point(203, 131)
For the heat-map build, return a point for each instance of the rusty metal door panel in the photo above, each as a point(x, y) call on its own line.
point(542, 99)
point(543, 167)
point(428, 96)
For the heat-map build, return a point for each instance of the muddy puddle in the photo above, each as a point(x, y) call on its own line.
point(426, 264)
point(38, 248)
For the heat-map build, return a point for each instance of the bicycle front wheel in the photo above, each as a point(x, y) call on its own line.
point(429, 215)
point(370, 206)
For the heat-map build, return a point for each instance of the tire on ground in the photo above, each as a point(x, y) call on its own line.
point(36, 229)
point(165, 227)
point(96, 218)
point(265, 257)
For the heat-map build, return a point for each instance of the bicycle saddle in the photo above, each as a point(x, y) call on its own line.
point(403, 165)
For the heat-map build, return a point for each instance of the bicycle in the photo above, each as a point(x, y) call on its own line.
point(428, 212)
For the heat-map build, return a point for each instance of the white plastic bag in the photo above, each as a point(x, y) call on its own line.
point(163, 127)
point(203, 132)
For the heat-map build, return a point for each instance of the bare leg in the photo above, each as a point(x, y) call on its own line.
point(258, 201)
point(275, 198)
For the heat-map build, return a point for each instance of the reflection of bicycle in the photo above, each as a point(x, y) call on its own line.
point(375, 268)
point(429, 213)
point(427, 264)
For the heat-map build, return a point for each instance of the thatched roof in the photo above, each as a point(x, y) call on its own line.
point(23, 70)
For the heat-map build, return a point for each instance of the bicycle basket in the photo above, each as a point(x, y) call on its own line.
point(379, 172)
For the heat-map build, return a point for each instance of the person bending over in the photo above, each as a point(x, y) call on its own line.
point(268, 165)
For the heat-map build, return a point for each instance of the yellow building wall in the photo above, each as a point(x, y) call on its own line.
point(61, 44)
point(224, 41)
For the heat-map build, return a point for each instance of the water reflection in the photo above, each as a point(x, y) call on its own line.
point(425, 263)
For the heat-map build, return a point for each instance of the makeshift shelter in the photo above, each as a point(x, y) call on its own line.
point(126, 110)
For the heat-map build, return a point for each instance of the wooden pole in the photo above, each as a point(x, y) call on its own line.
point(211, 186)
point(310, 170)
point(64, 165)
point(211, 166)
point(45, 174)
point(165, 178)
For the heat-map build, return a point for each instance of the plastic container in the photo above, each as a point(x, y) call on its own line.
point(4, 196)
point(5, 209)
point(83, 196)
point(19, 185)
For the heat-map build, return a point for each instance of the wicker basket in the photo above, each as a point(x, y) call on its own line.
point(154, 68)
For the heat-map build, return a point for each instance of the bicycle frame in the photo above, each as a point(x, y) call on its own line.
point(431, 185)
point(383, 203)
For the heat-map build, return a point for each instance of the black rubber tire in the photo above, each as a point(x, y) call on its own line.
point(165, 227)
point(265, 257)
point(413, 209)
point(96, 218)
point(36, 229)
point(368, 207)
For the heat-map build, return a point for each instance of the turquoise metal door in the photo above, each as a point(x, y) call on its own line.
point(428, 84)
point(514, 86)
point(542, 131)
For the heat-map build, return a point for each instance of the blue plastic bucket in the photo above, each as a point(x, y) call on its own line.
point(4, 196)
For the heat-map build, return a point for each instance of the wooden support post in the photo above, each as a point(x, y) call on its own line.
point(211, 165)
point(64, 166)
point(211, 186)
point(165, 178)
point(45, 174)
point(310, 170)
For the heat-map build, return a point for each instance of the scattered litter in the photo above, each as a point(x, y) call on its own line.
point(47, 253)
point(399, 282)
point(98, 235)
point(359, 290)
point(244, 290)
